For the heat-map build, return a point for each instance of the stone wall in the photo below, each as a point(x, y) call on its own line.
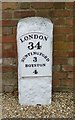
point(61, 14)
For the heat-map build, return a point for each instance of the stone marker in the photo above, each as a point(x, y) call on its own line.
point(34, 43)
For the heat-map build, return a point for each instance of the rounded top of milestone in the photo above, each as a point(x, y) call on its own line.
point(37, 19)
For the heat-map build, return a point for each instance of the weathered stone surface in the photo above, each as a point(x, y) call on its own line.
point(34, 42)
point(34, 91)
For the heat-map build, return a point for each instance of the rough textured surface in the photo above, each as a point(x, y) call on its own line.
point(34, 91)
point(61, 15)
point(30, 32)
point(34, 43)
point(62, 106)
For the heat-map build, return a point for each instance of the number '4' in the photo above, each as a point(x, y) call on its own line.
point(38, 46)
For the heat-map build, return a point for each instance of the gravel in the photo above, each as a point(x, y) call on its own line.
point(62, 106)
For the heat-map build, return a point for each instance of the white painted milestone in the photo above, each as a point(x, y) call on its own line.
point(34, 43)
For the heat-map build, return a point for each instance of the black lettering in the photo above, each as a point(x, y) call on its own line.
point(40, 37)
point(32, 65)
point(35, 72)
point(26, 65)
point(30, 47)
point(37, 65)
point(44, 64)
point(31, 36)
point(35, 36)
point(43, 55)
point(29, 54)
point(29, 65)
point(40, 54)
point(34, 53)
point(40, 65)
point(22, 60)
point(21, 40)
point(26, 56)
point(35, 59)
point(37, 53)
point(46, 38)
point(26, 38)
point(47, 59)
point(38, 46)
